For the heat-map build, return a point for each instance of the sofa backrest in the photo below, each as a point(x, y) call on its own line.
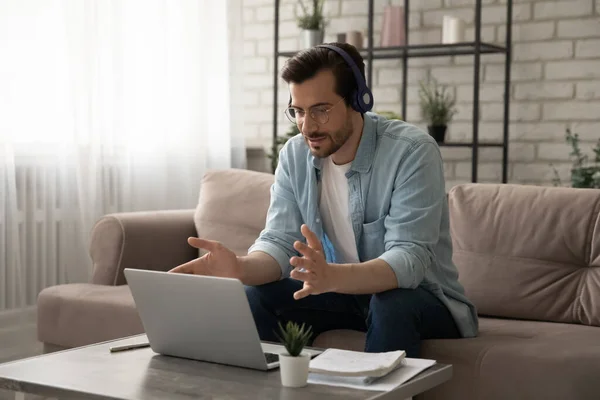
point(528, 252)
point(232, 207)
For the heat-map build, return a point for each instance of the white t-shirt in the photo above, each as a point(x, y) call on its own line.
point(333, 206)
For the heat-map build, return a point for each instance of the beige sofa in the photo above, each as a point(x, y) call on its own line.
point(528, 257)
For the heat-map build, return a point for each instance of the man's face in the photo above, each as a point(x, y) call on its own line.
point(317, 96)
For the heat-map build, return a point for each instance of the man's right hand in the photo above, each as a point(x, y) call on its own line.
point(219, 261)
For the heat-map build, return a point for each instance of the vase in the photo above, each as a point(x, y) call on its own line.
point(294, 370)
point(453, 30)
point(355, 38)
point(312, 37)
point(438, 132)
point(392, 31)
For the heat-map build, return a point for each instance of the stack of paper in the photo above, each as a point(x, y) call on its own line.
point(355, 363)
point(374, 371)
point(409, 368)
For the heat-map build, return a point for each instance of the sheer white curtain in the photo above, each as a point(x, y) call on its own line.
point(106, 106)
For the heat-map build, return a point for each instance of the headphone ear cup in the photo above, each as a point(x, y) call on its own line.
point(364, 99)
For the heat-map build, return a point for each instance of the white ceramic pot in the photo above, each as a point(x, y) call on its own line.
point(453, 30)
point(294, 370)
point(312, 38)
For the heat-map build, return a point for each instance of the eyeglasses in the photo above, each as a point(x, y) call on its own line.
point(319, 114)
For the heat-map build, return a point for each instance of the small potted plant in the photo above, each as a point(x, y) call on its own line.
point(294, 365)
point(312, 23)
point(437, 107)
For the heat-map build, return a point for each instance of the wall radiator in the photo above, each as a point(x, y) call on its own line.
point(43, 242)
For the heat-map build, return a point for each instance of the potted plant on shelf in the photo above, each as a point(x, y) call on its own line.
point(437, 107)
point(293, 366)
point(584, 174)
point(312, 23)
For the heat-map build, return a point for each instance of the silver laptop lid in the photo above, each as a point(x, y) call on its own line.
point(197, 317)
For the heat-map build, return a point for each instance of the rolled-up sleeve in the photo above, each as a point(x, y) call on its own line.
point(282, 227)
point(412, 227)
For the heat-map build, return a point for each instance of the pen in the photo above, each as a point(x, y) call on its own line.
point(130, 346)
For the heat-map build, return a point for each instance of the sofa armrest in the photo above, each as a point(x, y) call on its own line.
point(141, 240)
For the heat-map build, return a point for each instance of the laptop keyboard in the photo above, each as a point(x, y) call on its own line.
point(271, 357)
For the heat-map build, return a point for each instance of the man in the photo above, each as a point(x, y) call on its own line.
point(357, 232)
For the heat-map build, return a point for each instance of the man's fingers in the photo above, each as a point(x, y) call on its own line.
point(306, 250)
point(186, 268)
point(302, 293)
point(203, 244)
point(301, 262)
point(304, 276)
point(197, 266)
point(312, 239)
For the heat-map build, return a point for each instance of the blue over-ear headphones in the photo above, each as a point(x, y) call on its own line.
point(362, 99)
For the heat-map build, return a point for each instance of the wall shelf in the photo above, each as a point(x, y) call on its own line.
point(475, 48)
point(423, 50)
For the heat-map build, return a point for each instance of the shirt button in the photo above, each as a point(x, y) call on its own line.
point(318, 220)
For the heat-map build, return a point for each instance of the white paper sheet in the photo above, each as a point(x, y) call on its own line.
point(409, 368)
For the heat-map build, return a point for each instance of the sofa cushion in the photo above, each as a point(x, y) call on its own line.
point(510, 359)
point(528, 252)
point(232, 207)
point(514, 359)
point(78, 314)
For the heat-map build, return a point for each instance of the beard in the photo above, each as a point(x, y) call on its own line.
point(331, 142)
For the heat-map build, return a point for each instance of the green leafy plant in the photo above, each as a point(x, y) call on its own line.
point(279, 142)
point(314, 20)
point(294, 337)
point(436, 102)
point(584, 174)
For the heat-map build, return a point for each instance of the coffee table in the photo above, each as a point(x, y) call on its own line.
point(92, 372)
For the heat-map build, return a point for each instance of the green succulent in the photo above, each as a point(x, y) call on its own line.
point(294, 337)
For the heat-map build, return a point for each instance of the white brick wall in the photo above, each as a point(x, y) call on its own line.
point(555, 77)
point(561, 9)
point(578, 28)
point(588, 90)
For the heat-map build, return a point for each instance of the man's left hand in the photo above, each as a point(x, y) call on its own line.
point(312, 269)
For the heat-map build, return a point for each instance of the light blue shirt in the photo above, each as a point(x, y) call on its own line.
point(397, 204)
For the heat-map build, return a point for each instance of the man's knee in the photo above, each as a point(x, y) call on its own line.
point(394, 304)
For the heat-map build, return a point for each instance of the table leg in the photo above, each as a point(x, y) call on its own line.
point(19, 396)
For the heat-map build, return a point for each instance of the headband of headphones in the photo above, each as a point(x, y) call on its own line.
point(361, 100)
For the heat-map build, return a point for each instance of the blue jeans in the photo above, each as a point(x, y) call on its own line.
point(397, 319)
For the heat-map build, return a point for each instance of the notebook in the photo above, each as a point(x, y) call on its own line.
point(356, 363)
point(408, 369)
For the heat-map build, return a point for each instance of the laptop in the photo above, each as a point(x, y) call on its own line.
point(201, 318)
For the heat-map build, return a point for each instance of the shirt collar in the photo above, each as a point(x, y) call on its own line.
point(366, 148)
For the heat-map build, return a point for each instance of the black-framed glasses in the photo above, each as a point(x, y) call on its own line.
point(320, 114)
